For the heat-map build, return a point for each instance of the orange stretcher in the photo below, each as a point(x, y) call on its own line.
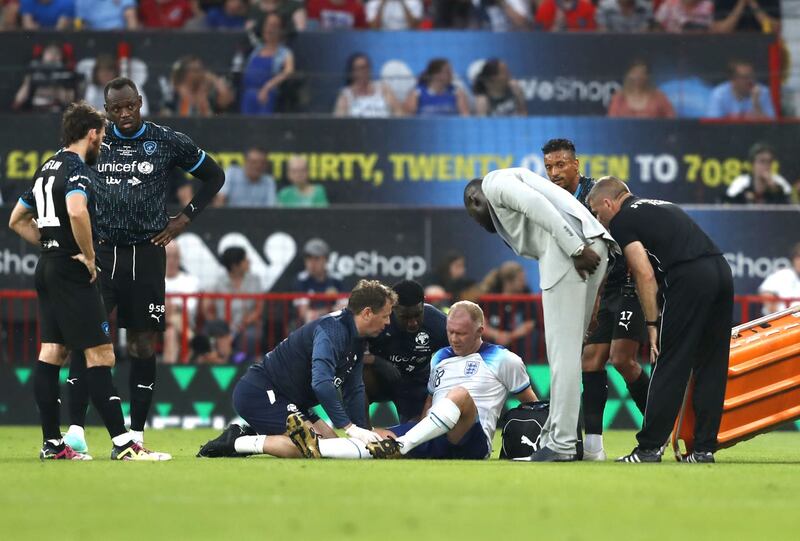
point(763, 388)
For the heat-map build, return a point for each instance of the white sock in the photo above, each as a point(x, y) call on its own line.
point(137, 436)
point(76, 430)
point(249, 445)
point(122, 439)
point(441, 419)
point(57, 442)
point(593, 443)
point(343, 448)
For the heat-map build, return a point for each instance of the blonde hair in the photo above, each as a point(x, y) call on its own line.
point(473, 310)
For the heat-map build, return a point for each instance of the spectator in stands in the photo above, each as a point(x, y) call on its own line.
point(104, 69)
point(451, 275)
point(178, 281)
point(50, 84)
point(762, 185)
point(509, 323)
point(685, 15)
point(248, 186)
point(394, 14)
point(560, 15)
point(336, 14)
point(293, 15)
point(495, 93)
point(267, 68)
point(363, 97)
point(301, 193)
point(9, 14)
point(505, 15)
point(747, 16)
point(214, 346)
point(624, 16)
point(231, 15)
point(245, 314)
point(315, 278)
point(783, 284)
point(436, 94)
point(168, 13)
point(196, 92)
point(742, 97)
point(47, 14)
point(455, 14)
point(106, 15)
point(638, 97)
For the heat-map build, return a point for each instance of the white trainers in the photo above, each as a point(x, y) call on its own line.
point(598, 456)
point(155, 455)
point(77, 442)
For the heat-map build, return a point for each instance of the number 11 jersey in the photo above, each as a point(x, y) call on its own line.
point(61, 176)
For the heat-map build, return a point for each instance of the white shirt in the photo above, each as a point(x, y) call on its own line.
point(184, 283)
point(370, 106)
point(489, 375)
point(499, 21)
point(784, 283)
point(394, 18)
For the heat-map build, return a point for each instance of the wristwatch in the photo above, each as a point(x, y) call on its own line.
point(579, 251)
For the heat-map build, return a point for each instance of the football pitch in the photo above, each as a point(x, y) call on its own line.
point(751, 493)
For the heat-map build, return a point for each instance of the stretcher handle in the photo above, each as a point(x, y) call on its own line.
point(765, 319)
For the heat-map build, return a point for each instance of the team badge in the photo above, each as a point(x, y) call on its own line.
point(145, 168)
point(105, 326)
point(422, 338)
point(471, 368)
point(291, 408)
point(150, 147)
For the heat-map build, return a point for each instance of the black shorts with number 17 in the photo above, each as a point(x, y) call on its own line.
point(132, 281)
point(619, 317)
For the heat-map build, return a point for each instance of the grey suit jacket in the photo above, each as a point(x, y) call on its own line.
point(540, 220)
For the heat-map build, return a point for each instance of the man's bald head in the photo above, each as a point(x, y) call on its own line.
point(606, 197)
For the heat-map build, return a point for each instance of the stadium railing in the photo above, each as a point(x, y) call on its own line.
point(20, 326)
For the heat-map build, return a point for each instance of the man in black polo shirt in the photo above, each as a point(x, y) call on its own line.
point(665, 247)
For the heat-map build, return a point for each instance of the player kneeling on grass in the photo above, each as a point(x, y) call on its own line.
point(319, 363)
point(468, 386)
point(54, 214)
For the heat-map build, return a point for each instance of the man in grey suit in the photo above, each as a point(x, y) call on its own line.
point(540, 220)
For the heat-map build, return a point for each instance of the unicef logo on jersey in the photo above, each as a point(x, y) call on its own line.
point(149, 147)
point(145, 168)
point(471, 368)
point(422, 338)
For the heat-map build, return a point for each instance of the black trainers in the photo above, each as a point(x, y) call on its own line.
point(223, 445)
point(387, 448)
point(699, 457)
point(61, 452)
point(641, 455)
point(304, 437)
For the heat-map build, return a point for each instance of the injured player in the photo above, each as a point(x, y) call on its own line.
point(468, 386)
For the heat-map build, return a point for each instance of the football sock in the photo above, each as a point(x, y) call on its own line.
point(137, 435)
point(45, 392)
point(106, 399)
point(142, 381)
point(638, 390)
point(593, 443)
point(77, 431)
point(595, 394)
point(343, 448)
point(249, 445)
point(77, 389)
point(122, 439)
point(441, 419)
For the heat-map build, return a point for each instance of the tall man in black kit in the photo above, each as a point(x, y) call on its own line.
point(618, 329)
point(132, 228)
point(692, 333)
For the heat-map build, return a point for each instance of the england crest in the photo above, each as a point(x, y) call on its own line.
point(149, 147)
point(471, 368)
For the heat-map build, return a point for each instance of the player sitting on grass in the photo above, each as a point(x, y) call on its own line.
point(468, 386)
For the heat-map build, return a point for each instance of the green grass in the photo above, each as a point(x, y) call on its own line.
point(751, 493)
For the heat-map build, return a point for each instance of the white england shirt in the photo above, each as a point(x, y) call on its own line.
point(490, 375)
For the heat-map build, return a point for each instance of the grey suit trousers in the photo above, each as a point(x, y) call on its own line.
point(568, 307)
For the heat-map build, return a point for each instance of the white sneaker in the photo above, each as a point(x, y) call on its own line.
point(154, 455)
point(597, 456)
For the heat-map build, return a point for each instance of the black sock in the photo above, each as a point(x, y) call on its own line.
point(46, 393)
point(595, 394)
point(106, 399)
point(142, 382)
point(77, 389)
point(638, 390)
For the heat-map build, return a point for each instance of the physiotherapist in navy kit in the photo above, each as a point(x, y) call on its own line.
point(132, 228)
point(665, 247)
